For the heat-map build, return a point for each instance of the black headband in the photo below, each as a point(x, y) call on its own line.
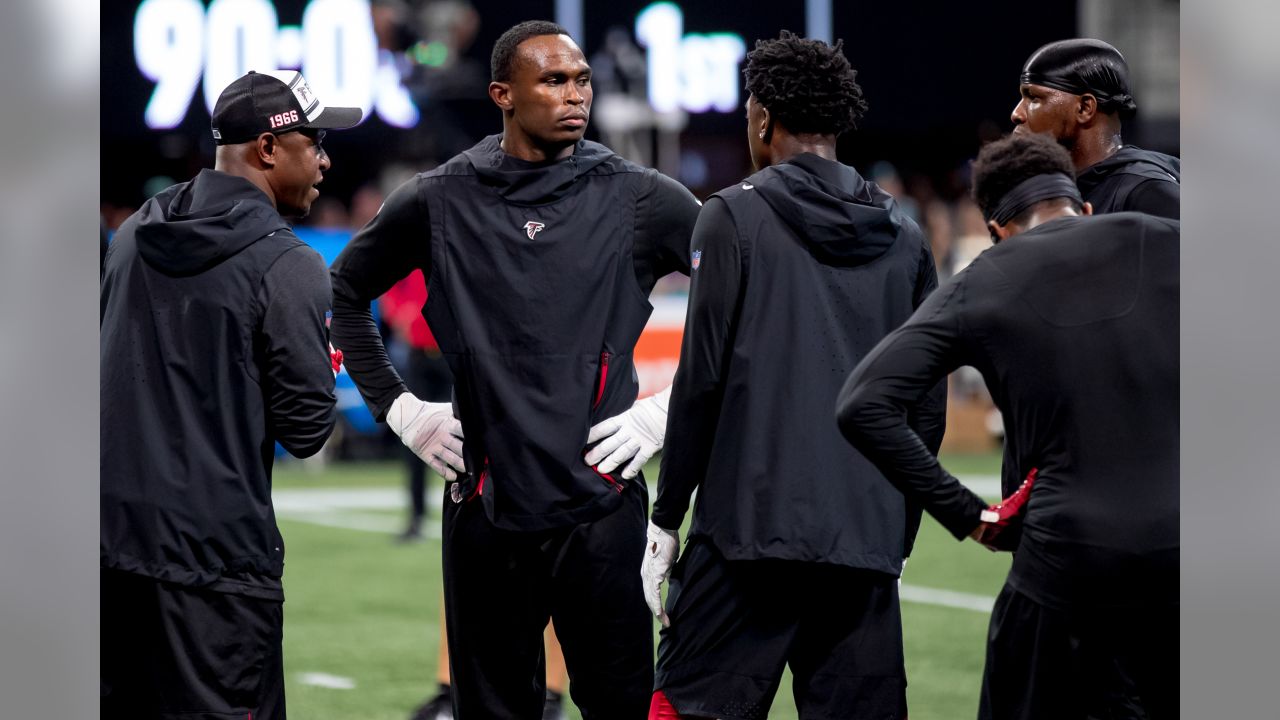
point(1080, 66)
point(1031, 191)
point(1073, 84)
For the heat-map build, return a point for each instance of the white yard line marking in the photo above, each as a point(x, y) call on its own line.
point(363, 522)
point(988, 486)
point(321, 499)
point(946, 598)
point(342, 508)
point(325, 680)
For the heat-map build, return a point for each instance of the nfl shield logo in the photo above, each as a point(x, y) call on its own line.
point(697, 259)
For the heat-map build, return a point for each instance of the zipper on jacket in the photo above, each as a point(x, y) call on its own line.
point(604, 377)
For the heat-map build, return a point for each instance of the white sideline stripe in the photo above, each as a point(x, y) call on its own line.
point(325, 680)
point(333, 507)
point(363, 522)
point(325, 499)
point(946, 598)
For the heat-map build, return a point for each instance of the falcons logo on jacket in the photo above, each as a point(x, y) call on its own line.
point(532, 228)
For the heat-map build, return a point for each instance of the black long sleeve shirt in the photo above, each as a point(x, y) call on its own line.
point(1074, 327)
point(538, 276)
point(398, 241)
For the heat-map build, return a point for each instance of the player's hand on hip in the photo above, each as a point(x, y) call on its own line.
point(631, 437)
point(1001, 524)
point(431, 431)
point(660, 554)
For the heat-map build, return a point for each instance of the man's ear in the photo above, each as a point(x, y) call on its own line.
point(766, 126)
point(265, 148)
point(1086, 108)
point(999, 233)
point(500, 93)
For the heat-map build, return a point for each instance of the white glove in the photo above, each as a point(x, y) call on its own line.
point(634, 435)
point(659, 555)
point(430, 431)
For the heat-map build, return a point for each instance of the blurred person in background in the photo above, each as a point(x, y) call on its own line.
point(1073, 322)
point(1077, 91)
point(539, 250)
point(328, 212)
point(797, 540)
point(213, 348)
point(939, 228)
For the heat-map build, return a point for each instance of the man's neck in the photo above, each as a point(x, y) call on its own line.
point(786, 146)
point(523, 148)
point(1092, 148)
point(1042, 215)
point(233, 166)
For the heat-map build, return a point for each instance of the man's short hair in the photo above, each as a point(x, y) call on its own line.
point(807, 85)
point(502, 60)
point(1004, 164)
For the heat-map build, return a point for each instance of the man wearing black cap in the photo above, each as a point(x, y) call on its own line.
point(1078, 92)
point(1073, 322)
point(213, 348)
point(539, 249)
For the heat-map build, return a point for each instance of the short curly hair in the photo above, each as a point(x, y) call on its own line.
point(504, 51)
point(807, 85)
point(1004, 164)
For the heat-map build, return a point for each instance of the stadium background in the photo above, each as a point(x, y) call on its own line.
point(940, 79)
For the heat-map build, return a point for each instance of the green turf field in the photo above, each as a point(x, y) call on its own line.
point(362, 613)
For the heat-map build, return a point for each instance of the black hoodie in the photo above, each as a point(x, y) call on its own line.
point(213, 348)
point(798, 272)
point(538, 279)
point(1136, 180)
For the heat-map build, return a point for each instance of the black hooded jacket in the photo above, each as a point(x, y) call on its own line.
point(798, 272)
point(213, 348)
point(1134, 180)
point(538, 278)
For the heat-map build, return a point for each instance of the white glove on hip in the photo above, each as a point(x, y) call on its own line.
point(659, 556)
point(430, 431)
point(634, 435)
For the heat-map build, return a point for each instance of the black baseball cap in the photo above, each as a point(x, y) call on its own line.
point(275, 101)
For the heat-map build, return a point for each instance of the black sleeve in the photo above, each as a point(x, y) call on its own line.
point(394, 243)
point(666, 213)
point(1156, 197)
point(698, 389)
point(928, 418)
point(298, 377)
point(872, 407)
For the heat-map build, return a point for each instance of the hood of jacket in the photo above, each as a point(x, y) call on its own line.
point(191, 227)
point(533, 183)
point(1130, 159)
point(843, 218)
